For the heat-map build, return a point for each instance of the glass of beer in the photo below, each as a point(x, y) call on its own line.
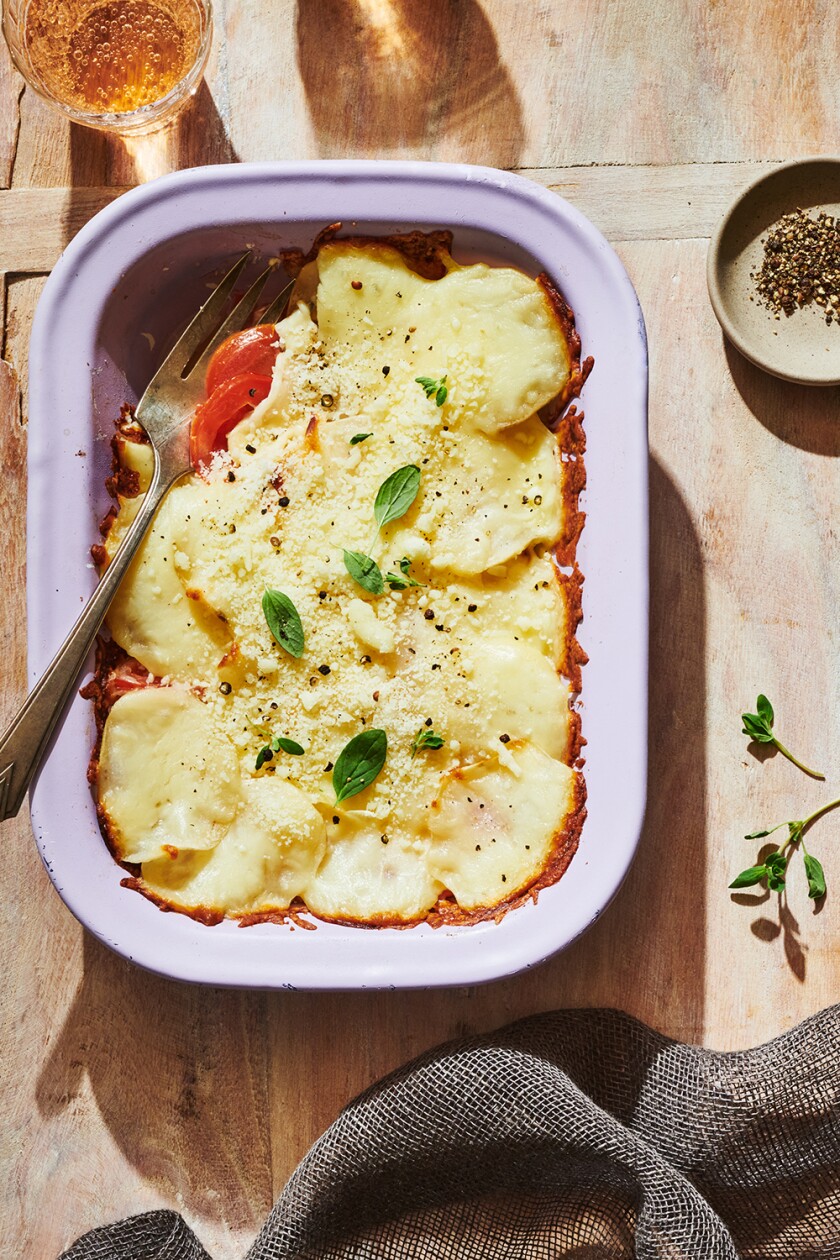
point(119, 65)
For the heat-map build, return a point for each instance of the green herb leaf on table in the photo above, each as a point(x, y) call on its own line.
point(359, 437)
point(425, 738)
point(816, 876)
point(765, 710)
point(774, 868)
point(751, 876)
point(758, 727)
point(400, 581)
point(432, 388)
point(358, 764)
point(283, 621)
point(396, 494)
point(365, 571)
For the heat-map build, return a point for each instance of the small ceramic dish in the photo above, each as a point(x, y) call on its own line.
point(800, 347)
point(125, 285)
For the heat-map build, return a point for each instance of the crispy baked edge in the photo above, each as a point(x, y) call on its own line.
point(421, 252)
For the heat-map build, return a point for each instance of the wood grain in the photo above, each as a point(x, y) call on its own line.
point(626, 203)
point(11, 87)
point(22, 293)
point(626, 82)
point(123, 1091)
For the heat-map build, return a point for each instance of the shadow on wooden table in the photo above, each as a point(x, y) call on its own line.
point(214, 1096)
point(197, 137)
point(178, 1074)
point(804, 416)
point(384, 76)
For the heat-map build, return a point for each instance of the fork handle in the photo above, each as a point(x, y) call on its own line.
point(23, 743)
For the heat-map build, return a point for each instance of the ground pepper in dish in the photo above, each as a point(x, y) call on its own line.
point(801, 265)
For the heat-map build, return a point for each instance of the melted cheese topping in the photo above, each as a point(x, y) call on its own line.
point(472, 653)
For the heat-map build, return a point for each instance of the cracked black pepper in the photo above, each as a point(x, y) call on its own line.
point(801, 265)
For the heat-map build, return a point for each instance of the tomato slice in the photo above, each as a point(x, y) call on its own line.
point(252, 350)
point(229, 403)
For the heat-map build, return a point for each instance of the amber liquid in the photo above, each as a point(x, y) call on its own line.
point(115, 56)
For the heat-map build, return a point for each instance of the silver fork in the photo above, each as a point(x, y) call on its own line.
point(164, 411)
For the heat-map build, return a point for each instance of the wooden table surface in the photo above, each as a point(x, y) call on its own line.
point(122, 1091)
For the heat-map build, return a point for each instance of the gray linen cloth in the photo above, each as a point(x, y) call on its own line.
point(573, 1134)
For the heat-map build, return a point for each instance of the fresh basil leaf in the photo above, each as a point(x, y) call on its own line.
point(752, 875)
point(776, 862)
point(264, 755)
point(816, 876)
point(365, 571)
point(396, 494)
point(358, 764)
point(765, 710)
point(290, 746)
point(283, 621)
point(359, 437)
point(756, 835)
point(441, 395)
point(775, 881)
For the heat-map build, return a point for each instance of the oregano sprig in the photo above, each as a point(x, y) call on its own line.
point(432, 388)
point(402, 580)
point(393, 499)
point(277, 744)
point(758, 726)
point(425, 738)
point(773, 870)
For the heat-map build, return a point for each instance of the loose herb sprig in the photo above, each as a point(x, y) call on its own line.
point(758, 727)
point(400, 581)
point(359, 437)
point(366, 573)
point(358, 764)
point(277, 744)
point(774, 868)
point(393, 499)
point(425, 738)
point(433, 388)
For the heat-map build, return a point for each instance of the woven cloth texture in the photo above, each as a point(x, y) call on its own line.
point(574, 1134)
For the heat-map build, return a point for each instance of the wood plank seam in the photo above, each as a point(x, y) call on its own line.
point(16, 139)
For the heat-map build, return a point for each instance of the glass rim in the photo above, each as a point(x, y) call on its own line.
point(132, 120)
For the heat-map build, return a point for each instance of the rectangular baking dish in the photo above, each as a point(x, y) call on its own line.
point(126, 283)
